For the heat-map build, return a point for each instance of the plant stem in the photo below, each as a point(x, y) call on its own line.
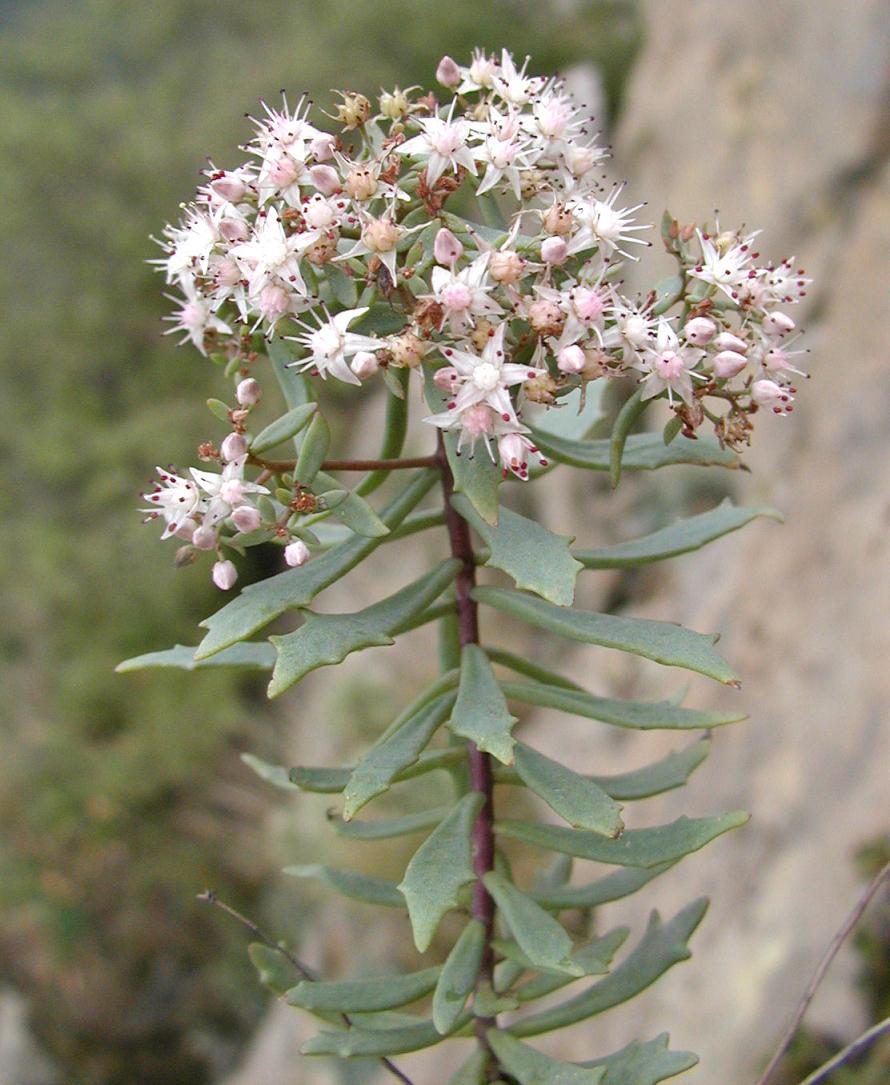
point(479, 763)
point(277, 467)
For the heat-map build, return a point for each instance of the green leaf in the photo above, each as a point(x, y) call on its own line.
point(313, 450)
point(351, 884)
point(662, 946)
point(640, 715)
point(663, 642)
point(636, 847)
point(642, 452)
point(440, 868)
point(260, 603)
point(672, 429)
point(353, 510)
point(331, 781)
point(615, 886)
point(521, 665)
point(364, 996)
point(380, 320)
point(667, 293)
point(255, 657)
point(644, 1063)
point(342, 285)
point(531, 1067)
point(357, 1042)
point(536, 559)
point(628, 414)
point(576, 798)
point(472, 1072)
point(273, 968)
point(540, 937)
point(282, 429)
point(395, 427)
point(389, 827)
point(394, 752)
point(475, 475)
point(458, 976)
point(219, 409)
point(679, 538)
point(273, 774)
point(480, 713)
point(572, 419)
point(324, 639)
point(295, 386)
point(594, 959)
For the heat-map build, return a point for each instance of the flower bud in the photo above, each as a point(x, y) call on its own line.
point(729, 363)
point(699, 331)
point(394, 105)
point(446, 378)
point(540, 389)
point(381, 235)
point(204, 538)
point(323, 250)
point(512, 453)
point(589, 304)
point(229, 187)
point(582, 159)
point(554, 250)
point(274, 302)
point(767, 393)
point(728, 341)
point(777, 324)
point(282, 172)
point(248, 392)
point(322, 147)
point(325, 178)
point(317, 212)
point(570, 359)
point(224, 575)
point(545, 317)
point(478, 420)
point(234, 229)
point(186, 530)
point(354, 110)
point(448, 73)
point(233, 447)
point(360, 183)
point(296, 553)
point(226, 272)
point(364, 364)
point(483, 70)
point(557, 219)
point(246, 518)
point(447, 248)
point(407, 350)
point(506, 266)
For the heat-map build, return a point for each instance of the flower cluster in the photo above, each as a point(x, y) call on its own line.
point(319, 232)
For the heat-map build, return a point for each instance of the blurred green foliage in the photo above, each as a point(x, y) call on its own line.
point(121, 797)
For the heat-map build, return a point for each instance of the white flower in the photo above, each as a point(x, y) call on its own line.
point(189, 246)
point(443, 143)
point(272, 255)
point(177, 499)
point(670, 365)
point(225, 491)
point(330, 344)
point(605, 227)
point(282, 131)
point(512, 84)
point(503, 159)
point(725, 261)
point(194, 317)
point(463, 294)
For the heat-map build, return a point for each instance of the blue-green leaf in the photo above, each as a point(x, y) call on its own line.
point(680, 537)
point(663, 642)
point(254, 657)
point(276, 775)
point(440, 868)
point(576, 798)
point(273, 968)
point(342, 286)
point(628, 414)
point(594, 959)
point(644, 1063)
point(481, 713)
point(395, 428)
point(458, 977)
point(636, 847)
point(662, 946)
point(363, 996)
point(282, 429)
point(531, 1067)
point(357, 1042)
point(352, 510)
point(541, 938)
point(642, 452)
point(387, 828)
point(615, 886)
point(260, 603)
point(295, 386)
point(536, 559)
point(351, 884)
point(313, 450)
point(330, 781)
point(472, 1072)
point(667, 293)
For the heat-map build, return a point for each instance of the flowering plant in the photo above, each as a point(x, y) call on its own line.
point(355, 255)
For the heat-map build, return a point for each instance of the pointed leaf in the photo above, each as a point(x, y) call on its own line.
point(662, 946)
point(576, 798)
point(521, 665)
point(615, 886)
point(358, 1043)
point(531, 1067)
point(472, 1072)
point(260, 603)
point(642, 452)
point(342, 286)
point(644, 1063)
point(353, 510)
point(640, 715)
point(282, 429)
point(628, 414)
point(458, 976)
point(295, 387)
point(273, 968)
point(389, 827)
point(332, 781)
point(636, 847)
point(540, 937)
point(680, 537)
point(664, 642)
point(481, 713)
point(351, 884)
point(440, 868)
point(328, 638)
point(594, 959)
point(536, 559)
point(365, 996)
point(254, 657)
point(393, 753)
point(395, 427)
point(313, 450)
point(276, 775)
point(667, 293)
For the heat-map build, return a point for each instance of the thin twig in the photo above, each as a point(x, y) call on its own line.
point(849, 923)
point(848, 1052)
point(277, 467)
point(210, 897)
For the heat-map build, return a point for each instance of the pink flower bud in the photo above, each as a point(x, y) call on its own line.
point(325, 178)
point(729, 363)
point(777, 324)
point(447, 248)
point(227, 272)
point(478, 419)
point(274, 302)
point(224, 575)
point(282, 172)
point(296, 553)
point(767, 393)
point(699, 331)
point(448, 73)
point(728, 341)
point(248, 392)
point(204, 538)
point(229, 187)
point(233, 447)
point(570, 359)
point(246, 518)
point(186, 530)
point(322, 147)
point(506, 266)
point(446, 378)
point(364, 365)
point(588, 304)
point(512, 453)
point(232, 492)
point(554, 250)
point(234, 229)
